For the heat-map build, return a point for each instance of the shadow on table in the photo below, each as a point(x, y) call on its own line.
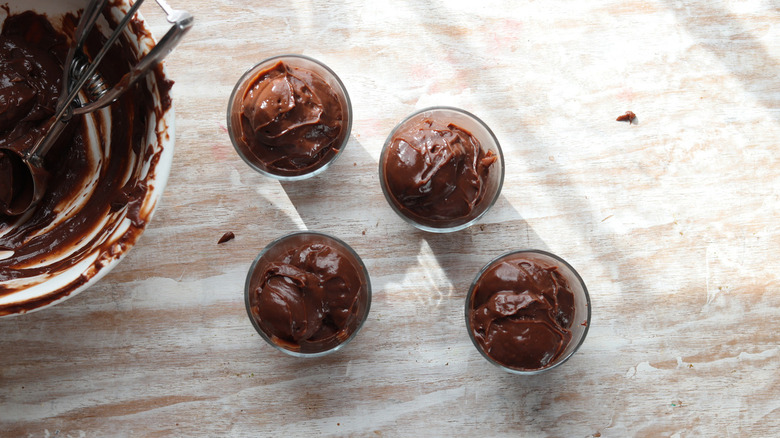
point(462, 254)
point(347, 202)
point(378, 234)
point(319, 387)
point(321, 200)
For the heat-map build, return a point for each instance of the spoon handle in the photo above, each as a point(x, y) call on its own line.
point(60, 120)
point(182, 22)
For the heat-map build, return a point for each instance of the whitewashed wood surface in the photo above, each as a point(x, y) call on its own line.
point(674, 224)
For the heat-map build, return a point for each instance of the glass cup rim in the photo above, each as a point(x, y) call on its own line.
point(348, 111)
point(386, 192)
point(489, 265)
point(248, 282)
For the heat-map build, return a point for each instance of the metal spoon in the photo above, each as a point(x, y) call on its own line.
point(23, 179)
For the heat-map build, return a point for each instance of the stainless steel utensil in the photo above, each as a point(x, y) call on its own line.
point(26, 165)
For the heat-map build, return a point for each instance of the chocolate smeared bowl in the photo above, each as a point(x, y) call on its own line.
point(107, 171)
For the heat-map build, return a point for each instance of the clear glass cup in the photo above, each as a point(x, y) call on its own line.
point(251, 156)
point(580, 321)
point(275, 252)
point(492, 184)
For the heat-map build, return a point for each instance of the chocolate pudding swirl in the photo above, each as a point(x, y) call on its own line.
point(292, 121)
point(311, 299)
point(521, 313)
point(436, 172)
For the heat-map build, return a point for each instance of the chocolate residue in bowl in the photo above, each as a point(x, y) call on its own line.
point(95, 207)
point(15, 182)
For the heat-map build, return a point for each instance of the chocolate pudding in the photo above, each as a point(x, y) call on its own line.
point(438, 171)
point(94, 209)
point(31, 56)
point(308, 293)
point(289, 116)
point(521, 310)
point(7, 175)
point(15, 182)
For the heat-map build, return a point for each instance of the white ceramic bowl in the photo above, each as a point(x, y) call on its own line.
point(115, 233)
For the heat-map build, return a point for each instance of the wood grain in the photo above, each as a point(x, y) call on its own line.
point(673, 224)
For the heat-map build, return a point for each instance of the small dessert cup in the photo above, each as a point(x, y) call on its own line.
point(430, 180)
point(528, 307)
point(289, 129)
point(307, 294)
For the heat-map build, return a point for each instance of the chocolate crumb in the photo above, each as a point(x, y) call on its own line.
point(226, 237)
point(627, 117)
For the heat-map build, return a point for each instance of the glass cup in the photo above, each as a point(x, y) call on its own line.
point(276, 134)
point(285, 283)
point(437, 199)
point(494, 286)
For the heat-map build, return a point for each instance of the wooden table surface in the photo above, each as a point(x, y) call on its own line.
point(672, 222)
